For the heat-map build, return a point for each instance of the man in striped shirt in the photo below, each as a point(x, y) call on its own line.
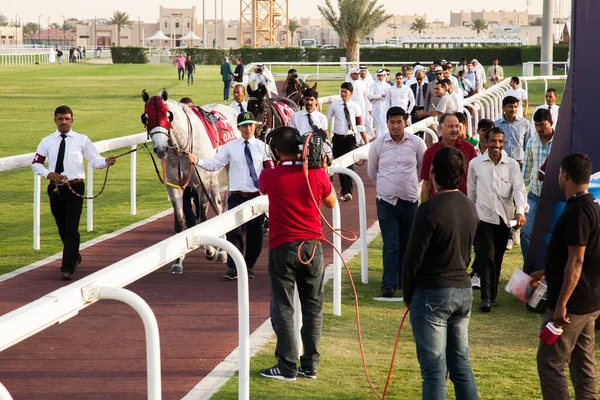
point(536, 153)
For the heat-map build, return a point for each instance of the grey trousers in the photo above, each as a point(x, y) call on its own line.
point(575, 348)
point(285, 270)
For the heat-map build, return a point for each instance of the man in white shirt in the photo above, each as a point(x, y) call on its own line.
point(239, 93)
point(401, 95)
point(494, 182)
point(448, 75)
point(454, 93)
point(311, 120)
point(520, 94)
point(65, 150)
point(379, 104)
point(247, 157)
point(360, 96)
point(347, 124)
point(550, 105)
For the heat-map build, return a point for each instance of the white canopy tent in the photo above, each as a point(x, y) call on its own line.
point(190, 36)
point(159, 35)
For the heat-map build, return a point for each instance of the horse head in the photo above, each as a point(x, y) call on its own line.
point(258, 102)
point(298, 97)
point(157, 118)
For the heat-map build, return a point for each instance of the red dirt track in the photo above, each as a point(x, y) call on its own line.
point(100, 353)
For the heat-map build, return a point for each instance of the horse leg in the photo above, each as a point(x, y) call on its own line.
point(215, 192)
point(176, 197)
point(209, 251)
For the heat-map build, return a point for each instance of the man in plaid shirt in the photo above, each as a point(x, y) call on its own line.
point(536, 152)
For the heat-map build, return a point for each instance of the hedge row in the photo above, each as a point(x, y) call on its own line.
point(129, 55)
point(508, 55)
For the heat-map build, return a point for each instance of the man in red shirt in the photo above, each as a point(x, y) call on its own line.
point(295, 254)
point(450, 129)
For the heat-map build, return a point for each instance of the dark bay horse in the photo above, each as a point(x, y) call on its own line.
point(175, 130)
point(270, 112)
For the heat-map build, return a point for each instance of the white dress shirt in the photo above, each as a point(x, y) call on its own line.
point(493, 187)
point(233, 154)
point(521, 95)
point(340, 126)
point(402, 97)
point(77, 147)
point(458, 100)
point(300, 122)
point(236, 106)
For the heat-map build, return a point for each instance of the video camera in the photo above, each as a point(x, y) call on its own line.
point(310, 150)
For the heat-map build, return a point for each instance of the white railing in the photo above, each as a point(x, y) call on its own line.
point(24, 57)
point(65, 303)
point(24, 160)
point(529, 67)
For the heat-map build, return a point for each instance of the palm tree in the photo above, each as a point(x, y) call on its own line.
point(356, 18)
point(419, 25)
point(479, 25)
point(292, 28)
point(120, 19)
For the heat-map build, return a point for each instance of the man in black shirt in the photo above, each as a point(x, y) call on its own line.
point(437, 288)
point(573, 276)
point(238, 74)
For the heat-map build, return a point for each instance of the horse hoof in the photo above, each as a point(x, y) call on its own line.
point(221, 257)
point(210, 253)
point(176, 269)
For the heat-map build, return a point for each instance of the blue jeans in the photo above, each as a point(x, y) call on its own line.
point(395, 223)
point(440, 323)
point(226, 86)
point(532, 200)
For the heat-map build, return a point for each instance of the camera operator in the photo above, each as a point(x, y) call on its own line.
point(292, 83)
point(262, 76)
point(311, 120)
point(295, 233)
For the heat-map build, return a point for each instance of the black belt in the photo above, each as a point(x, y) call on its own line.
point(245, 194)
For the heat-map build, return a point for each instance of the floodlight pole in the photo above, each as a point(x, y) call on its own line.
point(547, 37)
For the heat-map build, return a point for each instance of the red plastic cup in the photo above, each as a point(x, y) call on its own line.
point(550, 333)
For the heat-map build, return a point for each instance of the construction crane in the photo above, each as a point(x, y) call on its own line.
point(264, 23)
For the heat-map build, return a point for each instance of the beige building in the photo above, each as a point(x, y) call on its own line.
point(176, 24)
point(464, 18)
point(11, 35)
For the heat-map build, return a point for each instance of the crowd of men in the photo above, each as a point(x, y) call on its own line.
point(475, 193)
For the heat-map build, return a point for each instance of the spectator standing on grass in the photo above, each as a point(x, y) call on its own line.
point(227, 76)
point(436, 286)
point(180, 64)
point(495, 72)
point(478, 68)
point(520, 94)
point(377, 95)
point(295, 255)
point(536, 153)
point(238, 73)
point(395, 161)
point(449, 126)
point(494, 184)
point(190, 68)
point(573, 278)
point(65, 151)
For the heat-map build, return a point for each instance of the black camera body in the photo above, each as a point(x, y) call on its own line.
point(314, 153)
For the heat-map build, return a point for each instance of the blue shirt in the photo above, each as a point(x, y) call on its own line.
point(516, 136)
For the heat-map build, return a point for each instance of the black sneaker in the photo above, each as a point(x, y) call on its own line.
point(276, 373)
point(307, 373)
point(230, 275)
point(251, 274)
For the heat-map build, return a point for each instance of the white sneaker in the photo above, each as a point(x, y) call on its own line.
point(475, 282)
point(509, 245)
point(516, 237)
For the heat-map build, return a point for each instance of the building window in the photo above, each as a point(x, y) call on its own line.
point(188, 25)
point(176, 25)
point(165, 24)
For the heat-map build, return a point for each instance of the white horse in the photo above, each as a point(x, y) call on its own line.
point(175, 130)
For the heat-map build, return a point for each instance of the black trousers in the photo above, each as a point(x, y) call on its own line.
point(191, 218)
point(343, 144)
point(491, 241)
point(66, 209)
point(414, 119)
point(284, 270)
point(253, 230)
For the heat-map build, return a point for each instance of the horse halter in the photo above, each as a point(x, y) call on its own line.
point(156, 112)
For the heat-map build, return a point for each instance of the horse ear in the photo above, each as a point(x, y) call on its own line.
point(164, 94)
point(145, 96)
point(315, 86)
point(249, 90)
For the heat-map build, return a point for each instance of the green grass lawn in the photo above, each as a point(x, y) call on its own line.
point(503, 347)
point(106, 100)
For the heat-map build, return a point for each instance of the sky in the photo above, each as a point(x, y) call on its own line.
point(148, 10)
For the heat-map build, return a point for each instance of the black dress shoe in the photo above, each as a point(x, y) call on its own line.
point(79, 259)
point(387, 291)
point(67, 276)
point(485, 306)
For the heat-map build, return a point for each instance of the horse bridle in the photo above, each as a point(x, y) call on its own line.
point(264, 115)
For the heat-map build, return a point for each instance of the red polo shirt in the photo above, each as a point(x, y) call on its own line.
point(466, 148)
point(293, 216)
